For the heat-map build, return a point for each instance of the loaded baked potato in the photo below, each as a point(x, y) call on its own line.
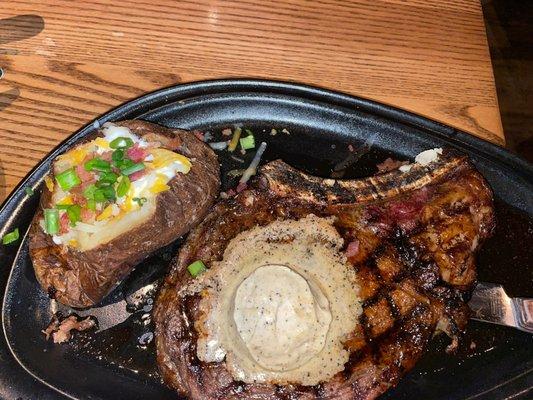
point(110, 201)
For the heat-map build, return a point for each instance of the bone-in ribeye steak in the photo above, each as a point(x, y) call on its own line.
point(412, 238)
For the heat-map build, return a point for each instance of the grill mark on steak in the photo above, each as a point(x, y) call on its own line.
point(395, 312)
point(414, 293)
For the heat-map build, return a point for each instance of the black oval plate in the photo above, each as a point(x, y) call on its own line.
point(493, 363)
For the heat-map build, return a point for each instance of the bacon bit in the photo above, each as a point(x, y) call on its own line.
point(137, 175)
point(351, 148)
point(84, 175)
point(61, 331)
point(352, 249)
point(64, 223)
point(227, 132)
point(78, 198)
point(390, 165)
point(106, 156)
point(241, 186)
point(84, 185)
point(199, 135)
point(87, 215)
point(136, 154)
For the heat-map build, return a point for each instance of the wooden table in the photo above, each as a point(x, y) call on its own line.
point(66, 62)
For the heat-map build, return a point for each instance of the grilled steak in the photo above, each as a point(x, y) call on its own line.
point(411, 238)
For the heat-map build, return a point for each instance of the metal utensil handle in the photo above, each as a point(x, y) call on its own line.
point(524, 313)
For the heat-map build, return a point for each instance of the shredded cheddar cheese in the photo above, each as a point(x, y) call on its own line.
point(164, 157)
point(101, 142)
point(75, 156)
point(160, 184)
point(127, 206)
point(106, 213)
point(49, 183)
point(66, 201)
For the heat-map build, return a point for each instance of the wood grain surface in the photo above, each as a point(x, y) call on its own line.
point(66, 62)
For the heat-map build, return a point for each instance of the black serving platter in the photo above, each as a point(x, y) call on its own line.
point(493, 362)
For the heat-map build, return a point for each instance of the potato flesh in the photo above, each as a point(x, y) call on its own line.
point(114, 228)
point(106, 232)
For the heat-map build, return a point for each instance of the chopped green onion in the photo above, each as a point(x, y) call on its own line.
point(91, 204)
point(68, 179)
point(11, 236)
point(196, 268)
point(121, 143)
point(101, 193)
point(106, 179)
point(97, 164)
point(29, 191)
point(139, 200)
point(99, 196)
point(90, 191)
point(235, 139)
point(124, 163)
point(247, 142)
point(133, 168)
point(51, 221)
point(74, 214)
point(94, 193)
point(123, 186)
point(108, 192)
point(117, 155)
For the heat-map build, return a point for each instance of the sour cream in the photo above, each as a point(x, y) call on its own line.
point(112, 132)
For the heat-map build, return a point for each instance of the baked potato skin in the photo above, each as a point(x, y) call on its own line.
point(82, 278)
